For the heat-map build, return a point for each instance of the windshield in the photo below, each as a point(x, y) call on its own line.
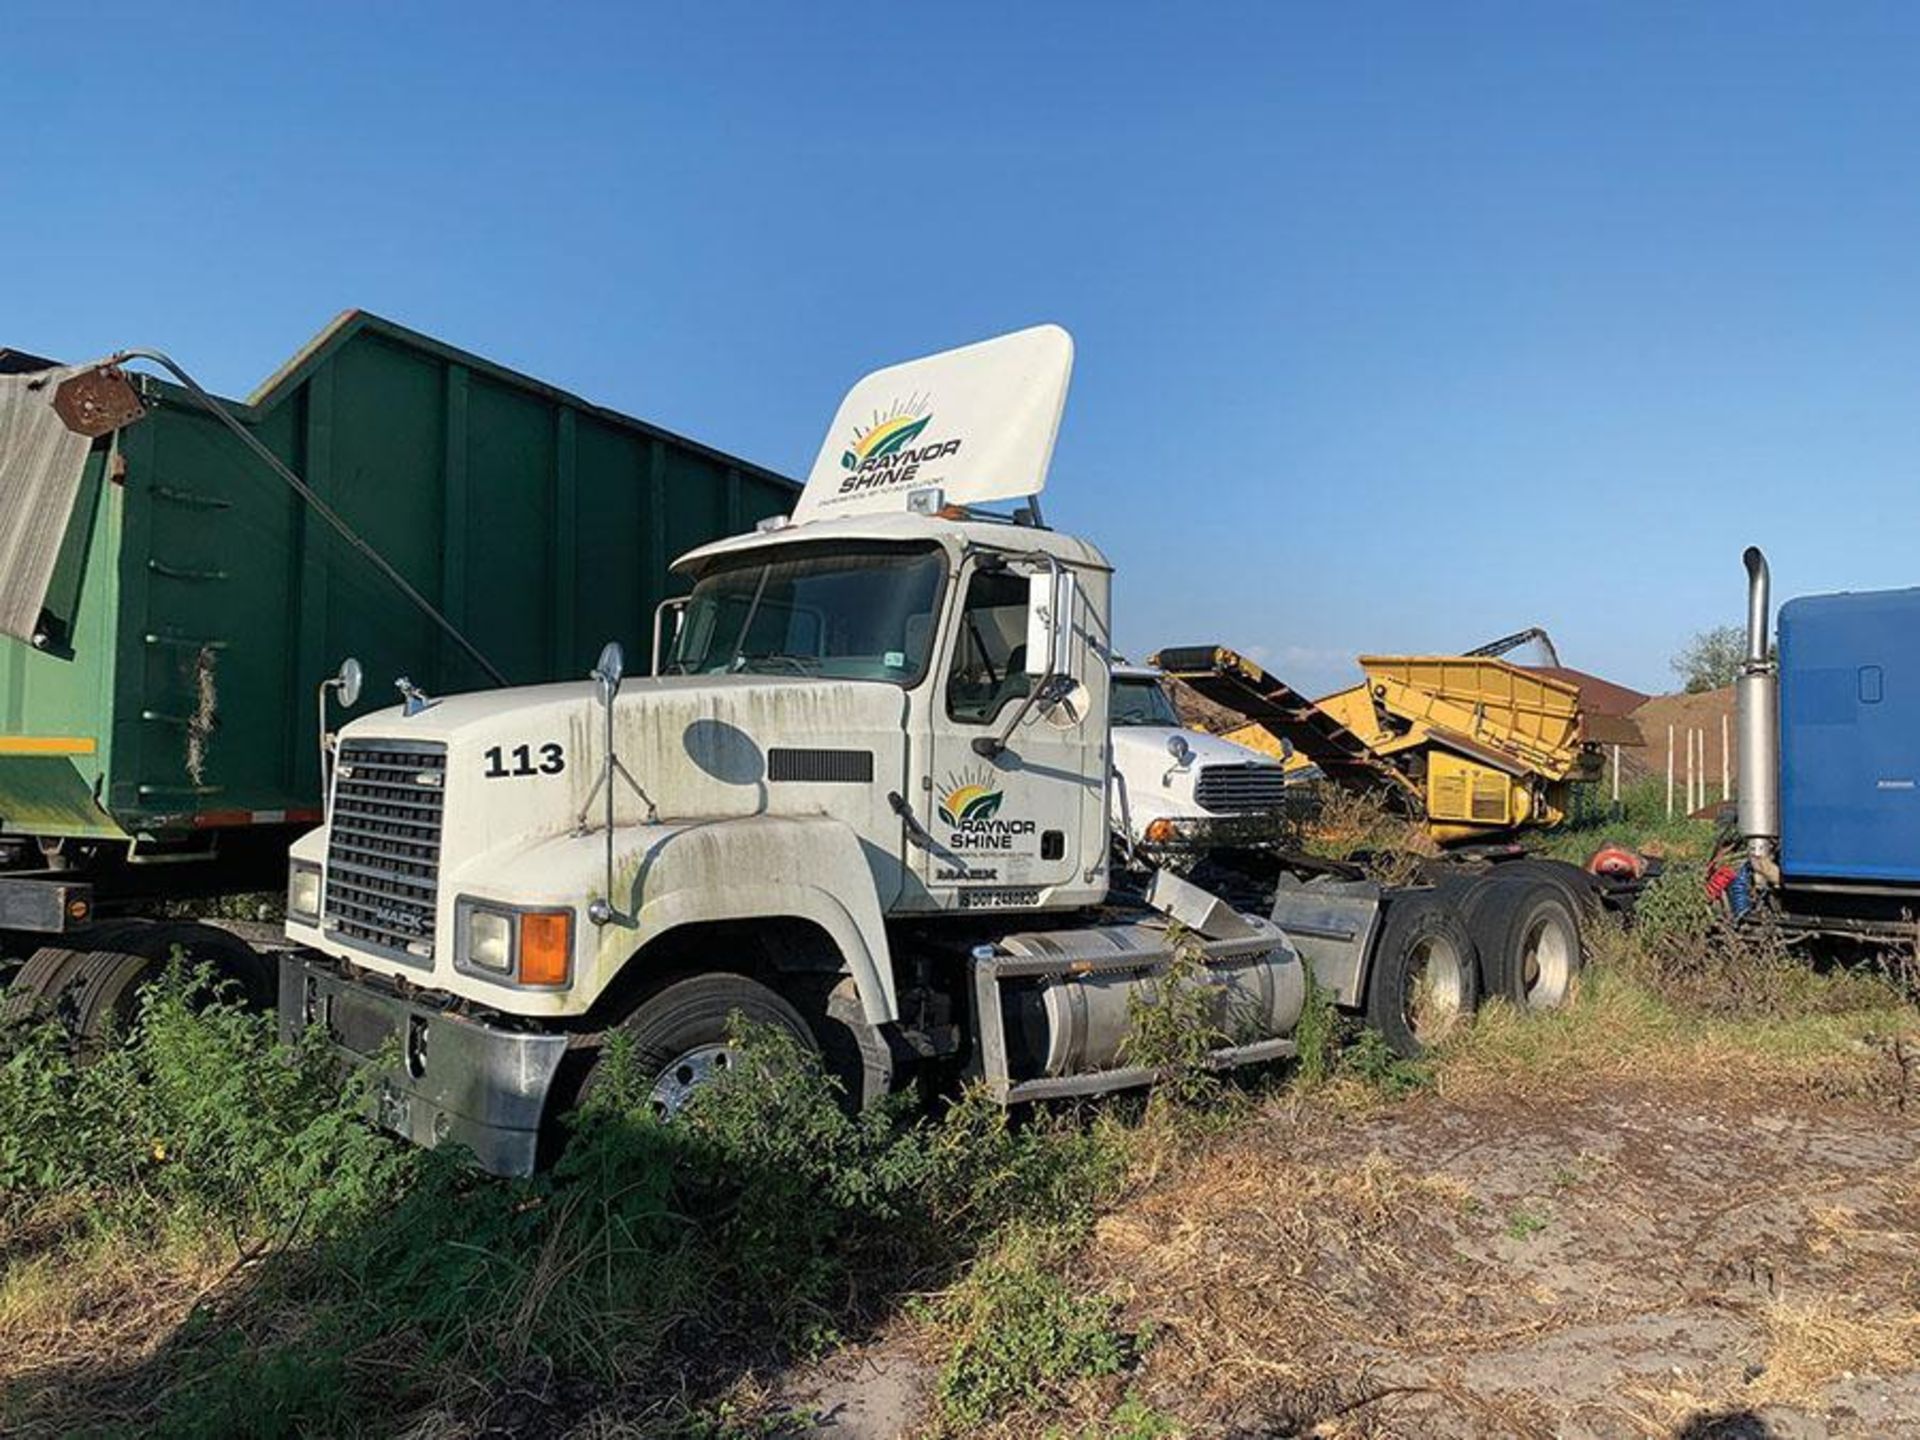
point(839, 612)
point(1139, 700)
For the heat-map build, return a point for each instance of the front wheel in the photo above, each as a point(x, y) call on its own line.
point(1425, 982)
point(681, 1042)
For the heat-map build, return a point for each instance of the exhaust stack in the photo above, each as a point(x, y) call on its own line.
point(1757, 707)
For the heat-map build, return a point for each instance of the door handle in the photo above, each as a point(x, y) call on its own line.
point(916, 832)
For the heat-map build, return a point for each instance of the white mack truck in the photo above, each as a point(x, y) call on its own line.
point(864, 797)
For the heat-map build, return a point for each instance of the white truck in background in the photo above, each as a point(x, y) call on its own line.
point(1179, 791)
point(864, 797)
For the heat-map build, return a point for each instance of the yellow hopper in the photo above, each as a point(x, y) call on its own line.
point(1473, 746)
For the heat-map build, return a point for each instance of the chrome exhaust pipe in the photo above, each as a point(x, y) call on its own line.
point(1757, 710)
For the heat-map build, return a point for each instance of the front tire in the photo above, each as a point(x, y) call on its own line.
point(680, 1037)
point(1425, 980)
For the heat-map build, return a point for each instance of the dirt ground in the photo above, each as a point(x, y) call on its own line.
point(1623, 1258)
point(1703, 712)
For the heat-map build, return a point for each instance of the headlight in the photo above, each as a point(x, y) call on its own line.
point(303, 891)
point(522, 947)
point(490, 940)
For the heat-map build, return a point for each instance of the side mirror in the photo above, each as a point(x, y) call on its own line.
point(610, 670)
point(1181, 751)
point(1051, 597)
point(346, 685)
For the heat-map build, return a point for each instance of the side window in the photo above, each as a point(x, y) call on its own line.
point(990, 655)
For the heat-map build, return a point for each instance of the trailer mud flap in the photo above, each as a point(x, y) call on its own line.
point(46, 794)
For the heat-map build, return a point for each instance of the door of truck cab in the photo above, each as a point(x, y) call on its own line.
point(1003, 828)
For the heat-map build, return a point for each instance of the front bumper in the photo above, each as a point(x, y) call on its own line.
point(1263, 830)
point(441, 1079)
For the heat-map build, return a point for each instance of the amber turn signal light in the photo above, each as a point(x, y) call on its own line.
point(546, 947)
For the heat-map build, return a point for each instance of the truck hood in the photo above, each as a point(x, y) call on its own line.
point(522, 762)
point(1145, 747)
point(1158, 788)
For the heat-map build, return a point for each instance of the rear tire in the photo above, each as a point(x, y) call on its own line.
point(1425, 979)
point(40, 987)
point(105, 999)
point(1580, 890)
point(680, 1040)
point(1529, 940)
point(95, 993)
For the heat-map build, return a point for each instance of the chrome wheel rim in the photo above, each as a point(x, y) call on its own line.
point(1438, 993)
point(683, 1077)
point(1546, 963)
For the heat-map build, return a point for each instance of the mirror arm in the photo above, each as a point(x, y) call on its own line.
point(675, 603)
point(610, 672)
point(347, 678)
point(326, 754)
point(990, 747)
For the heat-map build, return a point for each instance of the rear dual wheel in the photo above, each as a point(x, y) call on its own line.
point(1425, 982)
point(95, 993)
point(1527, 932)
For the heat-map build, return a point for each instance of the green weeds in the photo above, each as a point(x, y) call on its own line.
point(1021, 1334)
point(659, 1263)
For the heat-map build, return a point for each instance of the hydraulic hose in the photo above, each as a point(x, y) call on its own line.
point(320, 507)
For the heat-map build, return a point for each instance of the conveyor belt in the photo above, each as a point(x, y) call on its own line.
point(1236, 683)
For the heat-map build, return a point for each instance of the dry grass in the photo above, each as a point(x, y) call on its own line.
point(1839, 1036)
point(1253, 1270)
point(107, 1298)
point(1294, 1283)
point(1365, 829)
point(1814, 1342)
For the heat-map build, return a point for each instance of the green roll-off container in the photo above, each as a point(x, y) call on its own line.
point(169, 696)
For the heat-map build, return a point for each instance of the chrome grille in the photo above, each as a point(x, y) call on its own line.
point(383, 847)
point(1237, 789)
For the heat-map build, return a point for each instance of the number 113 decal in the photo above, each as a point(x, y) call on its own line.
point(553, 760)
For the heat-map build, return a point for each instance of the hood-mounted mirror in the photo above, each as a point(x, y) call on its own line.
point(346, 685)
point(610, 670)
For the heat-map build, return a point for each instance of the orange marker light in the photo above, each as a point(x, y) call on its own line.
point(546, 947)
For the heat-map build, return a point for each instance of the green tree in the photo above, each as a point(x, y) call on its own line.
point(1711, 659)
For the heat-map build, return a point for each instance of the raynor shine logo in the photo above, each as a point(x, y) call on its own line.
point(968, 797)
point(970, 809)
point(888, 450)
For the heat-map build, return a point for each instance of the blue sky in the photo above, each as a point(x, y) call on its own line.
point(1399, 326)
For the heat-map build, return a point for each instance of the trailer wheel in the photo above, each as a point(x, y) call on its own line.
point(680, 1040)
point(40, 988)
point(106, 998)
point(1425, 981)
point(96, 992)
point(1528, 936)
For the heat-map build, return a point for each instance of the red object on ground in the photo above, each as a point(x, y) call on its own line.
point(1718, 879)
point(1616, 862)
